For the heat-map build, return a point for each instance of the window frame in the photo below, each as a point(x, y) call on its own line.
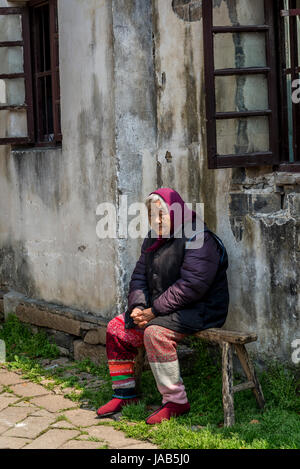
point(270, 157)
point(285, 165)
point(26, 74)
point(54, 72)
point(33, 112)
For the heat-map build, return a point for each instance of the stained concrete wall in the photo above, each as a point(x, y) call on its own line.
point(133, 116)
point(254, 211)
point(49, 246)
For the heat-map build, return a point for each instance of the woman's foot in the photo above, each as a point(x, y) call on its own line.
point(166, 411)
point(114, 406)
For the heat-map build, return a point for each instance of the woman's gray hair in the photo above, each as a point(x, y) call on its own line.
point(154, 198)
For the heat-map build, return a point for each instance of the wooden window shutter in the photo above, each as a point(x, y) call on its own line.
point(16, 107)
point(240, 133)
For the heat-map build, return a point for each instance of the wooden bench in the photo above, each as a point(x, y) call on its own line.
point(228, 340)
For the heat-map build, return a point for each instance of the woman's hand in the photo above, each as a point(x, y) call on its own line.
point(142, 316)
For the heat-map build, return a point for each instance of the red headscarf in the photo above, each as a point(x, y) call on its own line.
point(170, 196)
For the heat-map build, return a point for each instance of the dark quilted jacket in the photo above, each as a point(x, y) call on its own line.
point(186, 288)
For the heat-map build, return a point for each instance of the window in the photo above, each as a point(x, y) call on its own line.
point(29, 74)
point(289, 55)
point(251, 63)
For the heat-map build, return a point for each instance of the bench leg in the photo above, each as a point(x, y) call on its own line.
point(138, 368)
point(227, 388)
point(250, 373)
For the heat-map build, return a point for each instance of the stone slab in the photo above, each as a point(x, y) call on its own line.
point(54, 403)
point(114, 438)
point(33, 314)
point(79, 444)
point(52, 439)
point(25, 404)
point(6, 400)
point(7, 442)
point(8, 377)
point(3, 428)
point(43, 413)
point(27, 389)
point(31, 427)
point(16, 299)
point(81, 417)
point(141, 445)
point(11, 415)
point(62, 424)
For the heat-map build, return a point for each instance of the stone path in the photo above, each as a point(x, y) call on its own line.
point(32, 417)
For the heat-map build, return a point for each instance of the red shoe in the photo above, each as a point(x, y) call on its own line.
point(166, 411)
point(114, 406)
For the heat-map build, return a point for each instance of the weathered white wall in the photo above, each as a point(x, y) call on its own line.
point(133, 118)
point(243, 207)
point(49, 247)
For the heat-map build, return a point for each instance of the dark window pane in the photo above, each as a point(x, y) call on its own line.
point(48, 87)
point(42, 38)
point(45, 107)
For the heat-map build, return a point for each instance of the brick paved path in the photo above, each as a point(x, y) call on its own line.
point(33, 417)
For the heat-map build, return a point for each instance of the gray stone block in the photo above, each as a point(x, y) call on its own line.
point(293, 204)
point(96, 336)
point(266, 203)
point(61, 339)
point(11, 301)
point(97, 353)
point(239, 204)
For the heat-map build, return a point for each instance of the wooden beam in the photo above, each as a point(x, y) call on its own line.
point(14, 140)
point(221, 335)
point(250, 373)
point(11, 43)
point(227, 385)
point(241, 29)
point(237, 114)
point(12, 107)
point(219, 72)
point(10, 11)
point(7, 76)
point(243, 386)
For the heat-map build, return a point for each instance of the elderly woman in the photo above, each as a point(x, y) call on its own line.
point(173, 292)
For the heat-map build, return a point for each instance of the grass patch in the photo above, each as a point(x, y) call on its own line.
point(21, 342)
point(276, 427)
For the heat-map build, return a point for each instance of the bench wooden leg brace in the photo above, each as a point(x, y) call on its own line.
point(227, 376)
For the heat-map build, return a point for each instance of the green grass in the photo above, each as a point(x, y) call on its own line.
point(21, 342)
point(278, 426)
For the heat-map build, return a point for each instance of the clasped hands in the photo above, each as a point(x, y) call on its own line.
point(141, 316)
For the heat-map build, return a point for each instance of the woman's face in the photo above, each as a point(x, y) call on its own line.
point(159, 219)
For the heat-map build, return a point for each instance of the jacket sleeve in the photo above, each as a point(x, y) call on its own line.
point(138, 295)
point(197, 273)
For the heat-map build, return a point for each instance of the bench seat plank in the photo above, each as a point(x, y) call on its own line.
point(222, 335)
